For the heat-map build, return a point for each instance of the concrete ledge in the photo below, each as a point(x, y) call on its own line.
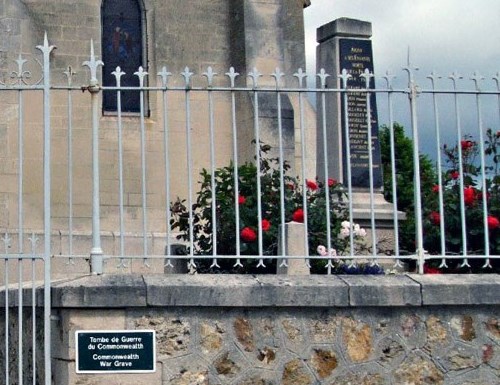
point(459, 289)
point(310, 291)
point(382, 290)
point(111, 291)
point(202, 290)
point(124, 291)
point(245, 290)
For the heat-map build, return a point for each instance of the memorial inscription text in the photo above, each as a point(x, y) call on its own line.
point(355, 57)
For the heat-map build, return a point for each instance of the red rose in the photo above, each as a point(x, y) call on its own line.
point(435, 188)
point(431, 270)
point(290, 186)
point(435, 218)
point(331, 182)
point(266, 225)
point(466, 144)
point(469, 196)
point(298, 216)
point(493, 222)
point(454, 174)
point(312, 185)
point(241, 199)
point(248, 235)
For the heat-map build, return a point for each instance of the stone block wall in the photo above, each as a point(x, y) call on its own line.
point(178, 33)
point(258, 330)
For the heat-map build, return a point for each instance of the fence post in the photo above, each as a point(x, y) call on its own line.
point(294, 246)
point(96, 255)
point(46, 50)
point(412, 95)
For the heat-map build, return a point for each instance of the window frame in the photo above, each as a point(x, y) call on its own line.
point(144, 46)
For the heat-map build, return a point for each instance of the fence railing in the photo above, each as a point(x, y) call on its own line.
point(220, 173)
point(214, 168)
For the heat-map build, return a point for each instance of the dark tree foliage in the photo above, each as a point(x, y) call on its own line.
point(467, 174)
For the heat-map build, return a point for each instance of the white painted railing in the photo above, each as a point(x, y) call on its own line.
point(171, 104)
point(221, 123)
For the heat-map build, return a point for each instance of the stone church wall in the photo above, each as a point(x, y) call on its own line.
point(178, 33)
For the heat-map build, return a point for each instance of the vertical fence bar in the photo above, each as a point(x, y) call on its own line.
point(345, 76)
point(392, 146)
point(187, 76)
point(367, 76)
point(277, 76)
point(118, 73)
point(46, 49)
point(412, 95)
point(69, 74)
point(7, 243)
point(437, 131)
point(210, 76)
point(20, 62)
point(33, 320)
point(20, 240)
point(256, 127)
point(322, 75)
point(232, 76)
point(6, 280)
point(303, 173)
point(142, 74)
point(477, 78)
point(33, 241)
point(454, 77)
point(164, 74)
point(20, 322)
point(96, 254)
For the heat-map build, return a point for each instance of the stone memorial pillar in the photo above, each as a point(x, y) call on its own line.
point(267, 35)
point(345, 44)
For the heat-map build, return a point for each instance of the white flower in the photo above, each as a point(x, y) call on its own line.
point(321, 250)
point(346, 225)
point(360, 232)
point(344, 232)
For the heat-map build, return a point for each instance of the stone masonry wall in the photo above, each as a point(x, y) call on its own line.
point(243, 330)
point(178, 33)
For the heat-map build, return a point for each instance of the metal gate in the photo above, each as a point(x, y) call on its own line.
point(25, 301)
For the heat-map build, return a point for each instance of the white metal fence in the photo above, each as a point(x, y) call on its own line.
point(255, 195)
point(169, 117)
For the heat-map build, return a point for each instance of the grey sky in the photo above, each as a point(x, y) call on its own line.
point(444, 35)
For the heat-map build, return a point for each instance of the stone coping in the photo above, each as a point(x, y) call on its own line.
point(124, 291)
point(276, 290)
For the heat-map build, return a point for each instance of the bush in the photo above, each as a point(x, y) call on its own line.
point(472, 196)
point(472, 199)
point(228, 201)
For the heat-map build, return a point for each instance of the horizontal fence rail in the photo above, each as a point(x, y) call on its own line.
point(218, 172)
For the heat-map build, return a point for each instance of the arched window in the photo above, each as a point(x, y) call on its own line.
point(122, 45)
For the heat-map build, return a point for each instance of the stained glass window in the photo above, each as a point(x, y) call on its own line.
point(122, 45)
